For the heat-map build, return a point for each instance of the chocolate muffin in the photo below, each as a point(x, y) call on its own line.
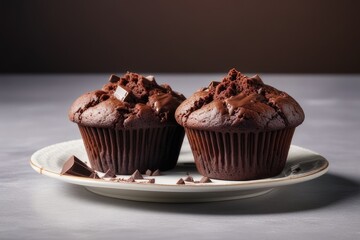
point(129, 125)
point(239, 128)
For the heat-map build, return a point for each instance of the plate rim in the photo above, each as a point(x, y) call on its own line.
point(206, 187)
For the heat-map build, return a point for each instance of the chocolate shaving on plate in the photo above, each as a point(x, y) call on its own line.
point(180, 181)
point(156, 173)
point(137, 175)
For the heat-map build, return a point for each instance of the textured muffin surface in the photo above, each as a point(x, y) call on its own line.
point(130, 101)
point(239, 102)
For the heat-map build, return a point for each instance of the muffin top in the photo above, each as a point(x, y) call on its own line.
point(130, 101)
point(239, 102)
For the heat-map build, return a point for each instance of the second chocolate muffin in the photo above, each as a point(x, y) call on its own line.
point(239, 128)
point(129, 125)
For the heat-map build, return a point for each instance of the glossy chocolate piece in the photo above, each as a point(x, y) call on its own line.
point(123, 93)
point(189, 179)
point(94, 176)
point(113, 78)
point(156, 173)
point(137, 175)
point(212, 84)
point(75, 167)
point(130, 179)
point(109, 174)
point(180, 181)
point(205, 180)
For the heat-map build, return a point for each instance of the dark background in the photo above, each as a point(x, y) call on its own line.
point(281, 36)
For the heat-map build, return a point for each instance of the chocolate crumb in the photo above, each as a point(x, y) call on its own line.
point(148, 172)
point(213, 84)
point(109, 174)
point(205, 180)
point(94, 176)
point(122, 93)
point(180, 181)
point(130, 179)
point(150, 77)
point(113, 78)
point(156, 173)
point(151, 180)
point(122, 180)
point(189, 179)
point(137, 175)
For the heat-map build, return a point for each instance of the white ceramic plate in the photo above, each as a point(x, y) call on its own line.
point(302, 165)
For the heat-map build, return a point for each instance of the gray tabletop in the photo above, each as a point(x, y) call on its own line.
point(32, 206)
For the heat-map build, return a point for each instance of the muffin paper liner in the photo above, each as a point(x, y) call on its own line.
point(125, 151)
point(240, 155)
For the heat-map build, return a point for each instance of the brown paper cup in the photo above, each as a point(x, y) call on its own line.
point(125, 151)
point(240, 155)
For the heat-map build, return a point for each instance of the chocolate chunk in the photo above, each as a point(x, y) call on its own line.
point(122, 93)
point(213, 84)
point(113, 78)
point(189, 179)
point(180, 181)
point(130, 179)
point(109, 174)
point(75, 167)
point(148, 172)
point(167, 87)
point(161, 101)
point(104, 97)
point(151, 180)
point(156, 173)
point(261, 91)
point(257, 77)
point(137, 175)
point(150, 77)
point(94, 176)
point(205, 180)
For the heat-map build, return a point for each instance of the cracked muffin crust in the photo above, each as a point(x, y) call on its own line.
point(239, 102)
point(142, 103)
